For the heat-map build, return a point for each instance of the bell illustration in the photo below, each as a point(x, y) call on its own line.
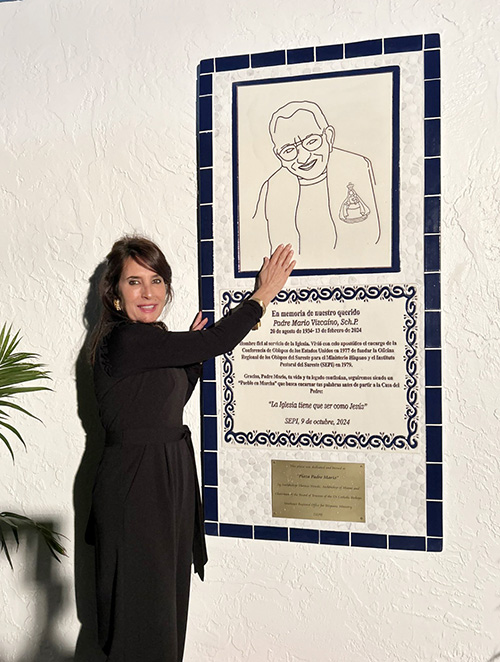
point(353, 209)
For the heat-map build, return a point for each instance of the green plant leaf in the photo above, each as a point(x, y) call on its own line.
point(6, 441)
point(51, 538)
point(18, 371)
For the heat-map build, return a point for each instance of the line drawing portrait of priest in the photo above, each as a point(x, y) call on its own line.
point(322, 198)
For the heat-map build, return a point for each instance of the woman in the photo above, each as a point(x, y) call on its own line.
point(147, 520)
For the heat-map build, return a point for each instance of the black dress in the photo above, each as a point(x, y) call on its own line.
point(146, 511)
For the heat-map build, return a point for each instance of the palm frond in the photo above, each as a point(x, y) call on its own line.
point(16, 370)
point(12, 521)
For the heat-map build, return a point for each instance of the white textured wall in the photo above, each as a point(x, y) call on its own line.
point(97, 134)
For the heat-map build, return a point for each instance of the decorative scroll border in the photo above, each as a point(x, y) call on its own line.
point(328, 440)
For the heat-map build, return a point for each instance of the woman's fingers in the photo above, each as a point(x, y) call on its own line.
point(199, 323)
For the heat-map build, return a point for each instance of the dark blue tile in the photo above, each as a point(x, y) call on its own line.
point(298, 55)
point(334, 538)
point(236, 530)
point(210, 505)
point(434, 544)
point(432, 176)
point(209, 314)
point(432, 330)
point(433, 137)
point(207, 293)
point(432, 253)
point(211, 528)
point(270, 533)
point(205, 85)
point(435, 481)
point(433, 367)
point(432, 66)
point(435, 519)
point(232, 62)
point(335, 52)
point(432, 292)
point(205, 150)
point(369, 540)
point(432, 98)
point(210, 475)
point(403, 44)
point(209, 433)
point(270, 59)
point(433, 407)
point(205, 191)
point(432, 41)
point(206, 66)
point(205, 113)
point(360, 48)
point(209, 369)
point(434, 443)
point(207, 258)
point(304, 535)
point(432, 214)
point(205, 219)
point(208, 398)
point(415, 543)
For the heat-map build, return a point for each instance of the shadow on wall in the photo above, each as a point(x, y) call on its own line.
point(86, 646)
point(50, 597)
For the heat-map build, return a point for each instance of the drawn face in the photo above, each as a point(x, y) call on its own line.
point(142, 292)
point(302, 146)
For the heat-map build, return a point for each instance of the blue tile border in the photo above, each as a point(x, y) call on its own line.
point(205, 222)
point(232, 62)
point(432, 215)
point(324, 53)
point(205, 150)
point(435, 519)
point(432, 331)
point(205, 84)
point(210, 469)
point(271, 59)
point(236, 530)
point(434, 446)
point(410, 543)
point(432, 41)
point(403, 44)
point(364, 48)
point(304, 535)
point(432, 98)
point(374, 540)
point(300, 55)
point(209, 433)
point(433, 367)
point(205, 113)
point(334, 538)
point(211, 528)
point(270, 533)
point(432, 253)
point(208, 398)
point(429, 45)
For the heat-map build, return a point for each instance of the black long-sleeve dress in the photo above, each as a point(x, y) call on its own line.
point(146, 510)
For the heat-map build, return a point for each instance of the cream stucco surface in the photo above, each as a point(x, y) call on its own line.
point(97, 138)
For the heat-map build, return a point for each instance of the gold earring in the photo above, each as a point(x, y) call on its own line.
point(116, 304)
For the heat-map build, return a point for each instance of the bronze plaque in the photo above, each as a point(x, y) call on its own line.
point(333, 491)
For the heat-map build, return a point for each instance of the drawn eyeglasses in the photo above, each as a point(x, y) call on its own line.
point(310, 143)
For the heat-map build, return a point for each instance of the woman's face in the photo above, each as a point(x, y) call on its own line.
point(142, 292)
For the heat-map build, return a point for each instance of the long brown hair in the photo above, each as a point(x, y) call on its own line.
point(147, 254)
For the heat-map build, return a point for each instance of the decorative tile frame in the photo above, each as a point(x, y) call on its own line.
point(429, 46)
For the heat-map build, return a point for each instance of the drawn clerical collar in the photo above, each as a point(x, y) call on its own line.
point(316, 180)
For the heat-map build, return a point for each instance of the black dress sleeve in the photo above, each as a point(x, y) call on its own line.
point(135, 347)
point(193, 373)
